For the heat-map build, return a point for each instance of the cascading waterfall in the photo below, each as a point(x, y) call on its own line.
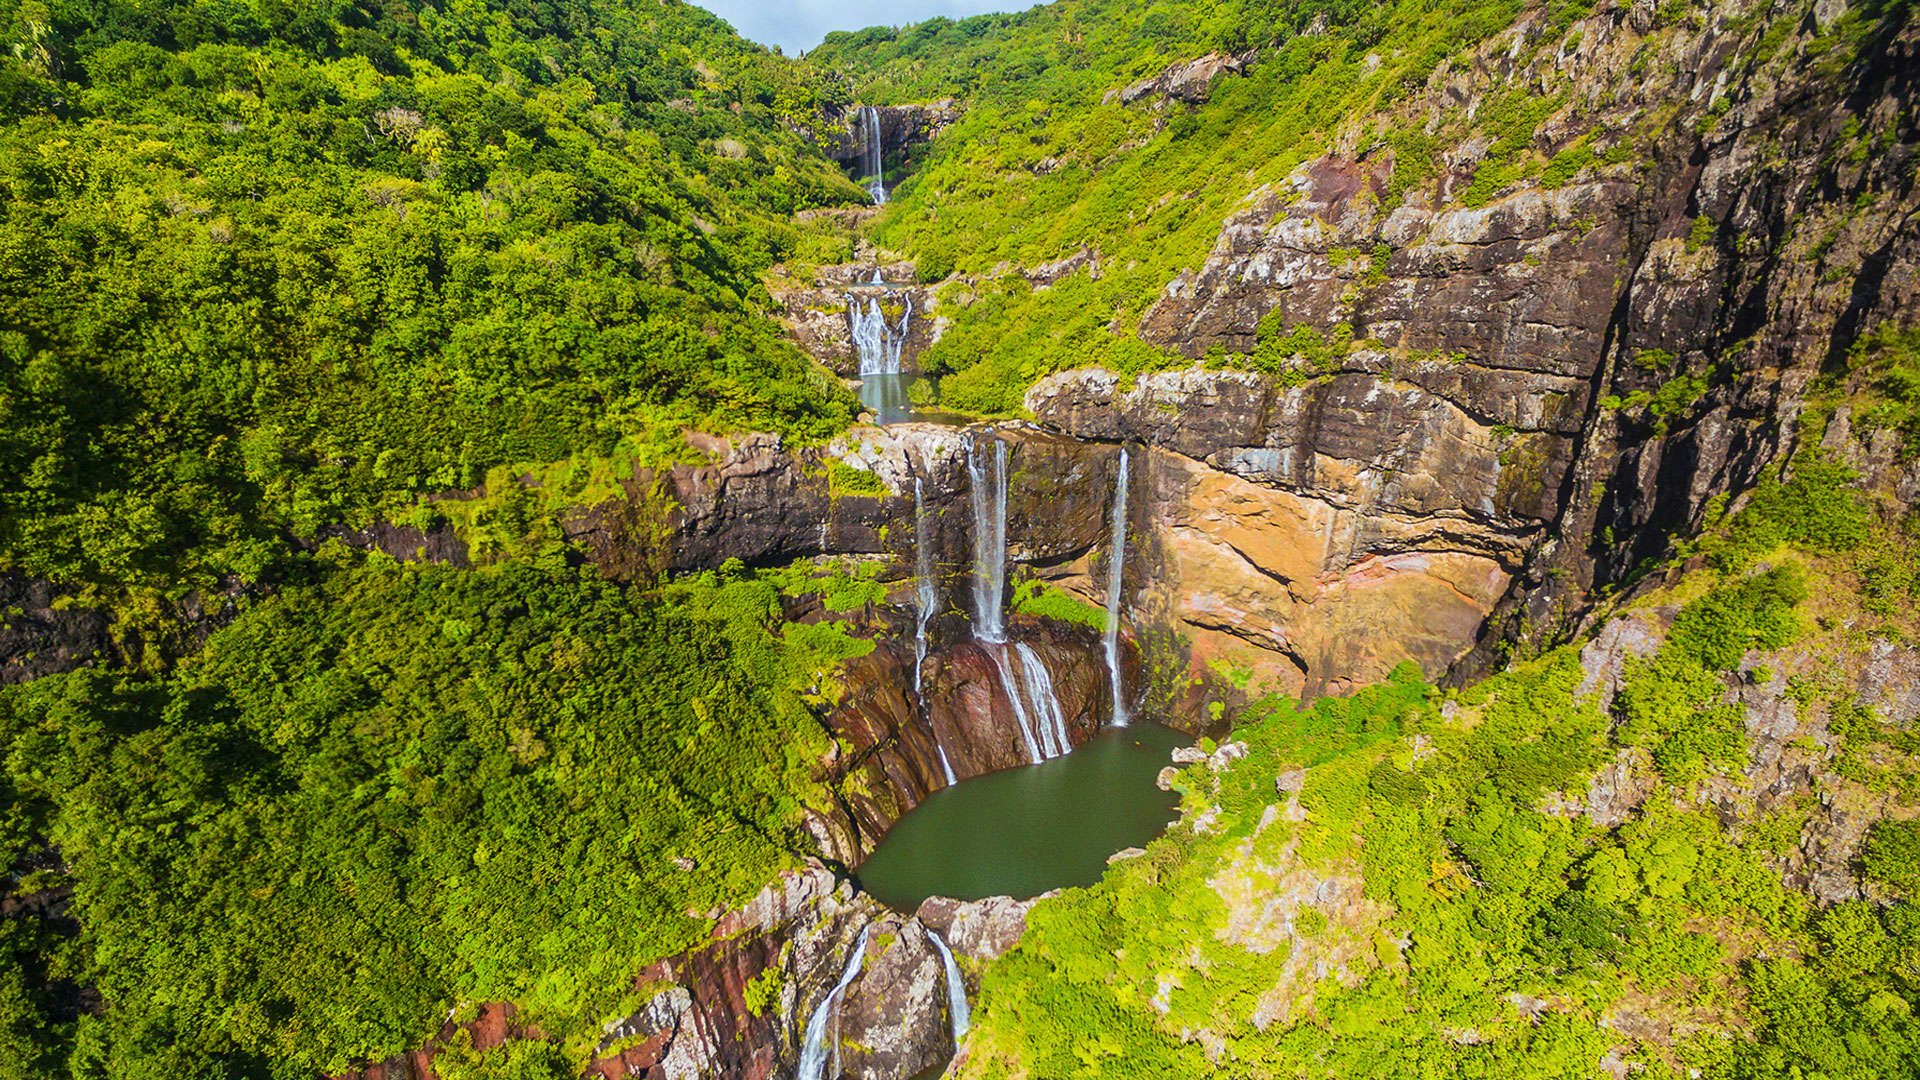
point(875, 341)
point(1116, 565)
point(1031, 692)
point(996, 652)
point(956, 990)
point(925, 596)
point(1046, 704)
point(870, 159)
point(813, 1052)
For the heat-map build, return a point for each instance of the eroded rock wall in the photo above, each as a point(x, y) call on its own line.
point(814, 310)
point(1551, 377)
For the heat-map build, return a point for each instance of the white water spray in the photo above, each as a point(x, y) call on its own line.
point(989, 497)
point(996, 652)
point(877, 342)
point(1116, 566)
point(813, 1052)
point(1046, 704)
point(956, 990)
point(870, 158)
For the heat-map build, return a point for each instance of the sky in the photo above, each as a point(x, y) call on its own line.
point(798, 25)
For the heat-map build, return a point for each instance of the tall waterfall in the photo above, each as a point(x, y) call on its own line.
point(1030, 690)
point(1116, 566)
point(877, 343)
point(989, 496)
point(870, 158)
point(956, 990)
point(813, 1052)
point(925, 595)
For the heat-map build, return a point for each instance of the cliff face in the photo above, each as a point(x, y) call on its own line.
point(1316, 536)
point(1546, 385)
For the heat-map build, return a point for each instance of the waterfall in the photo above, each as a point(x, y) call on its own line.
point(870, 158)
point(813, 1052)
point(1116, 566)
point(996, 653)
point(989, 496)
point(925, 596)
point(956, 990)
point(1046, 704)
point(877, 343)
point(1035, 707)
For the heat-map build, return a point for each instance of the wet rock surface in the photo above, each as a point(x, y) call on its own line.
point(902, 128)
point(893, 740)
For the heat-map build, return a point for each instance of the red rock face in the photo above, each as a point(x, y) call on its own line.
point(894, 745)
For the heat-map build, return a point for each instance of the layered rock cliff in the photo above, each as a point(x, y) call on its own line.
point(1549, 377)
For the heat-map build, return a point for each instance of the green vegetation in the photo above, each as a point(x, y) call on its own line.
point(268, 268)
point(1042, 164)
point(1390, 884)
point(1048, 601)
point(393, 788)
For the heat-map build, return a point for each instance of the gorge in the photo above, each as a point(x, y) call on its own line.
point(1133, 538)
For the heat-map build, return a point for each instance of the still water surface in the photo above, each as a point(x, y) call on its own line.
point(1023, 831)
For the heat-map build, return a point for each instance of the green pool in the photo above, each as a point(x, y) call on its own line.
point(1023, 831)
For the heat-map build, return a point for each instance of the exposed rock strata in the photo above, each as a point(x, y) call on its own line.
point(1741, 240)
point(1318, 535)
point(709, 1014)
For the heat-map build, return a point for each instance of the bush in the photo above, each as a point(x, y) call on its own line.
point(1892, 856)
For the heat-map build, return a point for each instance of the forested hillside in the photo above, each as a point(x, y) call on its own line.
point(450, 628)
point(266, 268)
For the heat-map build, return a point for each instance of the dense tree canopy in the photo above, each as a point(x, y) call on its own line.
point(268, 266)
point(396, 788)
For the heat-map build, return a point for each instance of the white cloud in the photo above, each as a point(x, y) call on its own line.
point(798, 25)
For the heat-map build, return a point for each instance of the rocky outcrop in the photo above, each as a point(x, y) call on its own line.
point(1550, 376)
point(406, 543)
point(903, 129)
point(737, 1007)
point(42, 635)
point(45, 629)
point(1793, 762)
point(1189, 82)
point(1315, 536)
